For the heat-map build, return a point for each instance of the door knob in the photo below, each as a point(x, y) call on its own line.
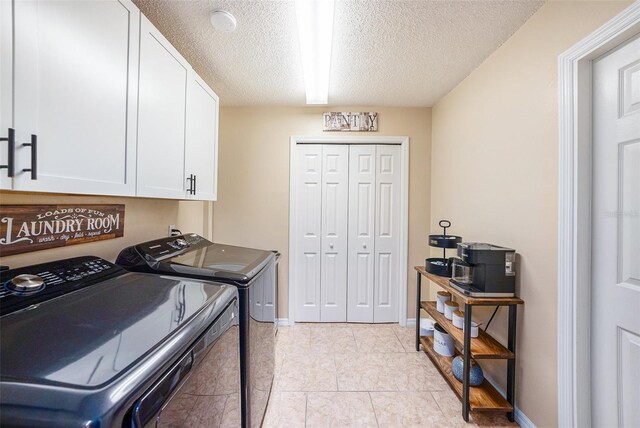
point(364, 245)
point(331, 246)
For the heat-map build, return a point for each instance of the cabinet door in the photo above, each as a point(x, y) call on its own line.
point(75, 80)
point(362, 203)
point(333, 269)
point(202, 139)
point(308, 230)
point(6, 88)
point(387, 234)
point(162, 105)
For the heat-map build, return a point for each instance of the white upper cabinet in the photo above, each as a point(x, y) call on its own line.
point(162, 105)
point(101, 103)
point(201, 157)
point(75, 85)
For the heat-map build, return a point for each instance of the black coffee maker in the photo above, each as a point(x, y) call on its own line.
point(484, 270)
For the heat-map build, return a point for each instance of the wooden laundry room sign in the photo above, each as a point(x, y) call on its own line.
point(26, 228)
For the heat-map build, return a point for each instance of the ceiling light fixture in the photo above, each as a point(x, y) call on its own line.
point(223, 21)
point(315, 32)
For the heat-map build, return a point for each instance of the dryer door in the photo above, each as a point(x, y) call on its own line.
point(203, 388)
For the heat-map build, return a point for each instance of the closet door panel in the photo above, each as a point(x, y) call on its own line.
point(363, 286)
point(361, 244)
point(387, 234)
point(308, 233)
point(335, 181)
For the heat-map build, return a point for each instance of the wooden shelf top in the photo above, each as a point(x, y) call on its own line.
point(444, 283)
point(481, 398)
point(482, 347)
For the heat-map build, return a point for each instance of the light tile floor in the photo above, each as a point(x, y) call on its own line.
point(363, 375)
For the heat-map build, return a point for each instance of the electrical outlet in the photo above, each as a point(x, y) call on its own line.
point(171, 228)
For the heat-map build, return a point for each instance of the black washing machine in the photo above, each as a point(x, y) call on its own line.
point(254, 273)
point(84, 343)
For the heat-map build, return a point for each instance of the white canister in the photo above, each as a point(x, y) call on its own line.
point(449, 307)
point(458, 319)
point(442, 342)
point(474, 329)
point(426, 327)
point(442, 297)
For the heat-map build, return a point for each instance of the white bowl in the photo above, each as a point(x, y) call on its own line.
point(426, 327)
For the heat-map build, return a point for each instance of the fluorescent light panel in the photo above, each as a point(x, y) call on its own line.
point(315, 31)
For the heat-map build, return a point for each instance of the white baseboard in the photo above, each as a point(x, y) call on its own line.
point(283, 322)
point(518, 414)
point(411, 322)
point(522, 419)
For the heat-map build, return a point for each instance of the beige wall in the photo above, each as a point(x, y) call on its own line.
point(145, 219)
point(253, 195)
point(494, 174)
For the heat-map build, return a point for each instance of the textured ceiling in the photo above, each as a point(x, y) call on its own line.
point(385, 52)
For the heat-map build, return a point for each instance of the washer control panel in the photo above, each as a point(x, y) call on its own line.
point(33, 284)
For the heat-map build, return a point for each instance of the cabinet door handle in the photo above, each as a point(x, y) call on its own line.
point(195, 183)
point(11, 151)
point(34, 157)
point(190, 180)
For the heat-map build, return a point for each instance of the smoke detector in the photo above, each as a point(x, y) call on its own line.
point(223, 21)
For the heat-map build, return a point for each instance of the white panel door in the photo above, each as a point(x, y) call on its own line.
point(361, 243)
point(615, 340)
point(161, 116)
point(333, 269)
point(201, 157)
point(387, 234)
point(75, 83)
point(307, 259)
point(6, 87)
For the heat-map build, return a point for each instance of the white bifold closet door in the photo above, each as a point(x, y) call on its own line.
point(361, 242)
point(347, 208)
point(321, 233)
point(333, 265)
point(374, 233)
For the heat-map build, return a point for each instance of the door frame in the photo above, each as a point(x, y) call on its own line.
point(574, 213)
point(403, 142)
